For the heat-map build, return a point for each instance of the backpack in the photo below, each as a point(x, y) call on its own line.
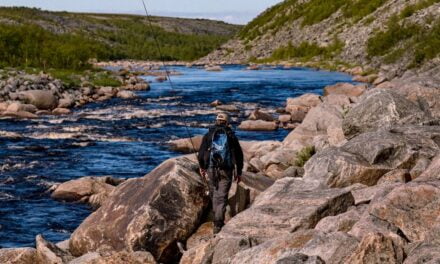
point(220, 151)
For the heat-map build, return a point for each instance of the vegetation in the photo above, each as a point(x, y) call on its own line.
point(412, 9)
point(304, 155)
point(307, 50)
point(312, 12)
point(39, 39)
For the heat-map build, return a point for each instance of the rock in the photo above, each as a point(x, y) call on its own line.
point(227, 108)
point(332, 247)
point(338, 99)
point(379, 80)
point(65, 103)
point(339, 223)
point(289, 204)
point(365, 79)
point(420, 167)
point(306, 101)
point(347, 89)
point(150, 213)
point(4, 106)
point(316, 123)
point(136, 257)
point(216, 103)
point(126, 95)
point(335, 136)
point(258, 115)
point(377, 248)
point(161, 78)
point(413, 208)
point(203, 234)
point(18, 107)
point(49, 253)
point(87, 258)
point(432, 172)
point(61, 111)
point(106, 91)
point(93, 190)
point(44, 100)
point(367, 194)
point(395, 176)
point(18, 256)
point(366, 158)
point(20, 114)
point(143, 86)
point(297, 115)
point(285, 118)
point(381, 109)
point(258, 125)
point(356, 70)
point(275, 250)
point(213, 68)
point(185, 145)
point(299, 258)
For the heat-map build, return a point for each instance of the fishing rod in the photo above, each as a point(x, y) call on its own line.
point(156, 41)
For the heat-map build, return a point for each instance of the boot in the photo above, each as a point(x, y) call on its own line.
point(218, 226)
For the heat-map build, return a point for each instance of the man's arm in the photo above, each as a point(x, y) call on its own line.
point(238, 155)
point(202, 152)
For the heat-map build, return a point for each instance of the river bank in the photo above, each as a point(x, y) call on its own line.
point(357, 179)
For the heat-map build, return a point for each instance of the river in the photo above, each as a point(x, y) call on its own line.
point(126, 138)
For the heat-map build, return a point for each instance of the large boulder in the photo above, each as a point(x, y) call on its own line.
point(49, 253)
point(151, 213)
point(432, 172)
point(186, 145)
point(259, 115)
point(44, 100)
point(367, 157)
point(306, 101)
point(18, 256)
point(347, 89)
point(381, 108)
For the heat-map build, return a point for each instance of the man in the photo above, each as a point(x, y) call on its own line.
point(221, 158)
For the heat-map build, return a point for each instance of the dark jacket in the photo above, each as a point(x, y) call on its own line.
point(236, 151)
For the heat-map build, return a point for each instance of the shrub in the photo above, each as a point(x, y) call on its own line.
point(304, 155)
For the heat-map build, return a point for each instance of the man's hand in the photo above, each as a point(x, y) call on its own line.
point(203, 172)
point(237, 178)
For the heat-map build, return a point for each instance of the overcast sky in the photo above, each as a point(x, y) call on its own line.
point(232, 11)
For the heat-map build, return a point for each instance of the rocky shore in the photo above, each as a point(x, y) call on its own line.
point(356, 181)
point(26, 95)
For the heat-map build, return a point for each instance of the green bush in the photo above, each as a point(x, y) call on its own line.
point(304, 155)
point(409, 10)
point(361, 8)
point(307, 51)
point(428, 45)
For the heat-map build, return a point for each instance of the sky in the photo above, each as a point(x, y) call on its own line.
point(231, 11)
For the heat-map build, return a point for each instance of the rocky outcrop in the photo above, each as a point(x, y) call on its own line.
point(43, 100)
point(347, 89)
point(186, 145)
point(151, 213)
point(258, 125)
point(369, 156)
point(49, 253)
point(381, 109)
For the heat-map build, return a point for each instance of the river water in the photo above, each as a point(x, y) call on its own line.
point(126, 138)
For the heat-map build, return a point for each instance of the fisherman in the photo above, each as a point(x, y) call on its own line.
point(221, 159)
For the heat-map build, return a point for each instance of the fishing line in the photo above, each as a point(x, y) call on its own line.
point(156, 41)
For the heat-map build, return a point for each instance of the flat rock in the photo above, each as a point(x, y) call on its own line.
point(44, 100)
point(61, 111)
point(260, 115)
point(432, 172)
point(150, 213)
point(49, 253)
point(339, 223)
point(227, 108)
point(346, 89)
point(185, 145)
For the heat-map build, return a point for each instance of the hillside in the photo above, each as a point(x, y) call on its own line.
point(33, 37)
point(395, 35)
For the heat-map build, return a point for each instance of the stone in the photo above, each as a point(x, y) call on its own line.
point(377, 248)
point(61, 111)
point(424, 253)
point(395, 176)
point(290, 204)
point(259, 115)
point(339, 223)
point(331, 247)
point(215, 103)
point(335, 136)
point(92, 190)
point(201, 254)
point(379, 80)
point(214, 68)
point(150, 213)
point(307, 100)
point(299, 258)
point(4, 106)
point(185, 145)
point(65, 103)
point(18, 256)
point(126, 95)
point(338, 99)
point(367, 157)
point(106, 91)
point(15, 107)
point(365, 79)
point(44, 100)
point(381, 109)
point(161, 78)
point(20, 114)
point(274, 249)
point(432, 172)
point(285, 118)
point(49, 253)
point(227, 108)
point(346, 89)
point(420, 167)
point(368, 194)
point(136, 257)
point(203, 234)
point(87, 258)
point(258, 125)
point(413, 208)
point(298, 115)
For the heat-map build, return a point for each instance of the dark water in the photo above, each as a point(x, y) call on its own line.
point(125, 138)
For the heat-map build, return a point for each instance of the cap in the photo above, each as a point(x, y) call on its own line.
point(222, 117)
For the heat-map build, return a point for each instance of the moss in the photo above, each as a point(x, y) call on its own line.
point(361, 8)
point(304, 155)
point(409, 10)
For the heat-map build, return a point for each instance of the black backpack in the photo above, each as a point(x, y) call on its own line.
point(220, 151)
